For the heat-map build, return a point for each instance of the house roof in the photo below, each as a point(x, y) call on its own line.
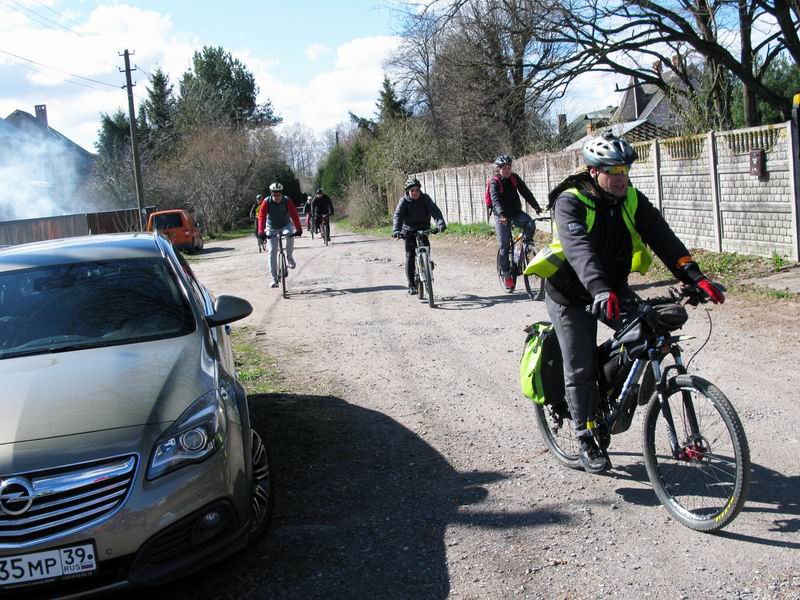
point(34, 127)
point(576, 128)
point(634, 131)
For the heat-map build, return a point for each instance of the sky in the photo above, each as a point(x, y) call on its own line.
point(315, 60)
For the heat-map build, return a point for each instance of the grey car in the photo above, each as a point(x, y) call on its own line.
point(126, 450)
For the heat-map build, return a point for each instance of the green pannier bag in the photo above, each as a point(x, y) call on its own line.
point(530, 367)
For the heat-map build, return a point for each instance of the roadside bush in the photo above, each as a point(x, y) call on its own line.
point(366, 206)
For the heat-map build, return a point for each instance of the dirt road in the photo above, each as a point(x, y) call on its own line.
point(409, 465)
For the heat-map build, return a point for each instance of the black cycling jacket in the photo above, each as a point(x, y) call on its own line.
point(322, 205)
point(413, 215)
point(600, 260)
point(507, 203)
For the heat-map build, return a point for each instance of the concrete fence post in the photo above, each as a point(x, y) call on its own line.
point(715, 199)
point(657, 175)
point(794, 175)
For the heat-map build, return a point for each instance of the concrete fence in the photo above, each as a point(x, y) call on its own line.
point(731, 191)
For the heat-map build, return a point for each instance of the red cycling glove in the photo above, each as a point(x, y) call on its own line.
point(713, 292)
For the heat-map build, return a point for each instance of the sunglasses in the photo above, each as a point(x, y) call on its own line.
point(617, 170)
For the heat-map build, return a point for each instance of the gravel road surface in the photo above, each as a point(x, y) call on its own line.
point(408, 464)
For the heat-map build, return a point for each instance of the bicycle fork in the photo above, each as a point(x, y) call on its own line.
point(678, 452)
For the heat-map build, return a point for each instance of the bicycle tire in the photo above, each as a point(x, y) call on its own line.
point(511, 271)
point(428, 279)
point(326, 233)
point(282, 267)
point(534, 284)
point(558, 434)
point(704, 489)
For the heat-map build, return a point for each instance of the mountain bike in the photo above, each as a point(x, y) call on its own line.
point(325, 228)
point(310, 224)
point(423, 276)
point(262, 244)
point(520, 252)
point(282, 266)
point(694, 446)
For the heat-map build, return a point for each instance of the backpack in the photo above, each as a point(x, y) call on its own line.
point(488, 198)
point(541, 370)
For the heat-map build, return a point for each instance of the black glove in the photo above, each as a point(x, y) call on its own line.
point(537, 208)
point(397, 234)
point(263, 236)
point(606, 306)
point(442, 226)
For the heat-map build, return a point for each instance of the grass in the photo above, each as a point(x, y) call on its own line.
point(480, 231)
point(733, 270)
point(233, 234)
point(256, 371)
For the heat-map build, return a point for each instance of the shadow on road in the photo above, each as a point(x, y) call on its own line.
point(772, 497)
point(362, 506)
point(327, 292)
point(473, 302)
point(214, 250)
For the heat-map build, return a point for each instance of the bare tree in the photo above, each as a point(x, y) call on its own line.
point(301, 149)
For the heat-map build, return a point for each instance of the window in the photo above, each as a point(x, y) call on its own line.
point(91, 304)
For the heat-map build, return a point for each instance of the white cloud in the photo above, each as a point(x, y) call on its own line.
point(92, 49)
point(351, 86)
point(316, 50)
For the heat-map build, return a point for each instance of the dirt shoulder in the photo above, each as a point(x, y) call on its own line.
point(408, 465)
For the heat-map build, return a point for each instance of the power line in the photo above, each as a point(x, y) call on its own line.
point(53, 10)
point(35, 70)
point(57, 69)
point(38, 16)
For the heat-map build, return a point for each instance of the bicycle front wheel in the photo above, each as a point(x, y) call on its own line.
point(534, 284)
point(326, 233)
point(705, 486)
point(427, 277)
point(283, 270)
point(558, 432)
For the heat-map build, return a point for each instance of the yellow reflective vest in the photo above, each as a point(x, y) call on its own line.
point(549, 259)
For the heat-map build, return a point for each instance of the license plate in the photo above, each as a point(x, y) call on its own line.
point(50, 565)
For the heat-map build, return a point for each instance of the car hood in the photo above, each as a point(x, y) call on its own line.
point(66, 393)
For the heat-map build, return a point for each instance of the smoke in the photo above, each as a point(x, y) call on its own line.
point(41, 177)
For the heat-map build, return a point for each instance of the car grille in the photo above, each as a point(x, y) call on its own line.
point(64, 500)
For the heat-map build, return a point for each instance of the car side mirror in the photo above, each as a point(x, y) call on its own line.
point(228, 309)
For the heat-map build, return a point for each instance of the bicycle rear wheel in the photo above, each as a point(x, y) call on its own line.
point(427, 277)
point(558, 433)
point(706, 485)
point(284, 271)
point(534, 284)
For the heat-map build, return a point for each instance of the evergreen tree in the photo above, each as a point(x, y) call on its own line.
point(390, 106)
point(114, 135)
point(231, 84)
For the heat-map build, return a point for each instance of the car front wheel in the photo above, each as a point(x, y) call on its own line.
point(263, 494)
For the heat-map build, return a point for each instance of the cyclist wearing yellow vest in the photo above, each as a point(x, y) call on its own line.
point(602, 225)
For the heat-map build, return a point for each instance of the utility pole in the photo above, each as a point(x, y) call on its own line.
point(137, 166)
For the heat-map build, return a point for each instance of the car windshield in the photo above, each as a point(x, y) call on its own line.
point(168, 221)
point(90, 304)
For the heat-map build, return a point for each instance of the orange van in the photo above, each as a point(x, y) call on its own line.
point(178, 227)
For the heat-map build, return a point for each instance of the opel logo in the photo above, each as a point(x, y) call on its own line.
point(16, 496)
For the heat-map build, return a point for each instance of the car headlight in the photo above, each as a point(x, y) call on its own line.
point(195, 436)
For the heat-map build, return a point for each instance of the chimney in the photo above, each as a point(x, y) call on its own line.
point(657, 66)
point(41, 113)
point(562, 123)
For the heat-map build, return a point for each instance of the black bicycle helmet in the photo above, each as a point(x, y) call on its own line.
point(319, 191)
point(259, 197)
point(412, 182)
point(608, 150)
point(503, 159)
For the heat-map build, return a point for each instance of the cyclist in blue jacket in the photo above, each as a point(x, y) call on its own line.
point(414, 213)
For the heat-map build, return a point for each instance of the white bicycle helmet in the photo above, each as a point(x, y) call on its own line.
point(275, 187)
point(608, 150)
point(503, 159)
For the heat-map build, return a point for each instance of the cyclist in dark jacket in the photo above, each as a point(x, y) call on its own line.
point(505, 189)
point(602, 225)
point(414, 213)
point(320, 205)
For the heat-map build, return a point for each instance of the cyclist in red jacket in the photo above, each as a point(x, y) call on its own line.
point(278, 216)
